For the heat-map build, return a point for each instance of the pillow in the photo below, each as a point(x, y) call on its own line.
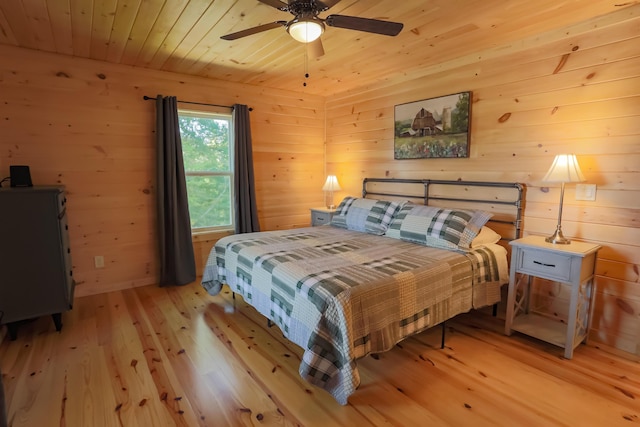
point(437, 227)
point(485, 237)
point(366, 215)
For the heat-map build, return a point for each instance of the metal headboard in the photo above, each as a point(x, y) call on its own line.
point(427, 197)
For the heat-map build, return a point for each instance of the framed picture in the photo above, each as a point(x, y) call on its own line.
point(433, 128)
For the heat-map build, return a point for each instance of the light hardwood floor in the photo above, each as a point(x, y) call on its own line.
point(176, 356)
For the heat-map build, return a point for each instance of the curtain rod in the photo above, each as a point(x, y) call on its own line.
point(148, 98)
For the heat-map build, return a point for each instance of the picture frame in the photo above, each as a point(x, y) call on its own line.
point(433, 128)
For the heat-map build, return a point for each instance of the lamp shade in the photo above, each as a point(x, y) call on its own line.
point(565, 168)
point(306, 30)
point(331, 184)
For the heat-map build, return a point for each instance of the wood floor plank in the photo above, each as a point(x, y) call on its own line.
point(177, 356)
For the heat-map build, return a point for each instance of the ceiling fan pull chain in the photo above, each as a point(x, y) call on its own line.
point(306, 66)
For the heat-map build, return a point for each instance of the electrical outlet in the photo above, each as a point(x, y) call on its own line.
point(586, 192)
point(99, 261)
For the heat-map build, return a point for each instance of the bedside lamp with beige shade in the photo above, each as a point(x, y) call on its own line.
point(565, 168)
point(330, 185)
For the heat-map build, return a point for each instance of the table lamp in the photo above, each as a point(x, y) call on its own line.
point(565, 168)
point(330, 185)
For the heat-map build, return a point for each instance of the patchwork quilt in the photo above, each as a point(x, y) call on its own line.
point(342, 294)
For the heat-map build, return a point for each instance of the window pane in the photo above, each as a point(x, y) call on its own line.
point(207, 150)
point(209, 201)
point(205, 143)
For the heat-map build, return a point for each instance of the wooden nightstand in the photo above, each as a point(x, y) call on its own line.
point(572, 265)
point(321, 216)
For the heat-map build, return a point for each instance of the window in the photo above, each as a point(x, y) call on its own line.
point(207, 149)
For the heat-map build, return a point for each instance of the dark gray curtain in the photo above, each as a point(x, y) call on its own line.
point(3, 406)
point(177, 262)
point(245, 203)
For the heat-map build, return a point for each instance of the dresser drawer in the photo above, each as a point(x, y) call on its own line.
point(546, 264)
point(62, 203)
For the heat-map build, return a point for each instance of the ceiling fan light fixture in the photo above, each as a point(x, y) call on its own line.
point(306, 30)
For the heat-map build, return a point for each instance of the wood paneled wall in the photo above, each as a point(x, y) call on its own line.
point(574, 89)
point(84, 124)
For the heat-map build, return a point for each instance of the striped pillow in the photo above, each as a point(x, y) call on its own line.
point(366, 215)
point(437, 227)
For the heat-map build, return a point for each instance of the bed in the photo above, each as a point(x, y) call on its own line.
point(384, 269)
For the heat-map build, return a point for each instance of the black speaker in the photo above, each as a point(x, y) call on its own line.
point(20, 176)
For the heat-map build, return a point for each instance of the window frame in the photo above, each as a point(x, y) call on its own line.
point(230, 174)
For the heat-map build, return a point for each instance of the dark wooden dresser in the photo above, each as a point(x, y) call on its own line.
point(35, 257)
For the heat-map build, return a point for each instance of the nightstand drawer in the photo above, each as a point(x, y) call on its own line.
point(546, 264)
point(320, 216)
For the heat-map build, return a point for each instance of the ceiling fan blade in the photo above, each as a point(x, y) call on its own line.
point(326, 4)
point(276, 3)
point(377, 26)
point(254, 30)
point(315, 49)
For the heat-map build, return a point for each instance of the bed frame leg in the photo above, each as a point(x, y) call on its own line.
point(444, 330)
point(495, 310)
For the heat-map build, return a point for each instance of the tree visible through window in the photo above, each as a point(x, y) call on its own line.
point(207, 149)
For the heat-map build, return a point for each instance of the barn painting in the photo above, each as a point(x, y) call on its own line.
point(433, 128)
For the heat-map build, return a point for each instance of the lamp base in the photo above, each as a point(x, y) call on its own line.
point(557, 238)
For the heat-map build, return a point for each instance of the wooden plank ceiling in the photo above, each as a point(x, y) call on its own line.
point(183, 36)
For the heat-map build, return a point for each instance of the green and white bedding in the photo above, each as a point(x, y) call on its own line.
point(342, 294)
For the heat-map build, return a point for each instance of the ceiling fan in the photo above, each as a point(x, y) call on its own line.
point(307, 26)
